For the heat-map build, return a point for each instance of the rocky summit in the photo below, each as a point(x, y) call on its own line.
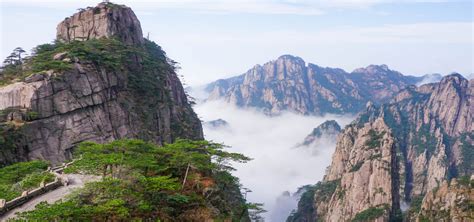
point(289, 84)
point(106, 20)
point(327, 131)
point(412, 151)
point(101, 82)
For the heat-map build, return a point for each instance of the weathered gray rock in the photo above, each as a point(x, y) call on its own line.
point(105, 20)
point(92, 102)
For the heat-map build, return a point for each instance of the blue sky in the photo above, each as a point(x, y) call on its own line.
point(216, 39)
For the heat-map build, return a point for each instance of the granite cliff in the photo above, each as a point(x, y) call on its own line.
point(100, 82)
point(396, 161)
point(290, 84)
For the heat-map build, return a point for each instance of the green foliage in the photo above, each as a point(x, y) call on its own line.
point(16, 172)
point(9, 136)
point(322, 191)
point(10, 73)
point(465, 181)
point(357, 166)
point(31, 115)
point(467, 153)
point(369, 214)
point(415, 205)
point(105, 52)
point(424, 140)
point(255, 211)
point(142, 181)
point(22, 176)
point(375, 139)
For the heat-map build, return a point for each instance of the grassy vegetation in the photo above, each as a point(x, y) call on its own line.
point(374, 139)
point(19, 177)
point(369, 214)
point(144, 182)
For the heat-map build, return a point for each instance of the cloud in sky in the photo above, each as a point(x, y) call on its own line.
point(414, 49)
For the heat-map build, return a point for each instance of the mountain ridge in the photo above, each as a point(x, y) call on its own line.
point(290, 84)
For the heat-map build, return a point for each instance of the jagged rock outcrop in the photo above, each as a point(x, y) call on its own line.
point(327, 131)
point(106, 20)
point(97, 96)
point(401, 151)
point(289, 84)
point(449, 202)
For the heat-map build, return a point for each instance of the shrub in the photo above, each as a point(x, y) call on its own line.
point(374, 139)
point(142, 181)
point(357, 166)
point(369, 214)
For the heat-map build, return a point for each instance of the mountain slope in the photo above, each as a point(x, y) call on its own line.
point(398, 152)
point(289, 84)
point(100, 82)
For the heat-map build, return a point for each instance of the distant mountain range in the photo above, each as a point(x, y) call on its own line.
point(289, 84)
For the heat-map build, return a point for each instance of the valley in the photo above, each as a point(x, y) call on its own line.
point(99, 124)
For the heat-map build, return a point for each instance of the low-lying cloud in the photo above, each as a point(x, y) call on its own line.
point(276, 166)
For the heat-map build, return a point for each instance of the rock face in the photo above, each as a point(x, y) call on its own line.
point(327, 130)
point(450, 202)
point(105, 20)
point(399, 152)
point(289, 84)
point(46, 117)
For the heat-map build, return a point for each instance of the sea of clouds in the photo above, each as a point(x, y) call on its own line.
point(277, 168)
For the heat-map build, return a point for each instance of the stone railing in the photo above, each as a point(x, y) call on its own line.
point(59, 180)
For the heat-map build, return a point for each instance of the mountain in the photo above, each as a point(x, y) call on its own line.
point(327, 130)
point(288, 83)
point(100, 82)
point(109, 99)
point(411, 151)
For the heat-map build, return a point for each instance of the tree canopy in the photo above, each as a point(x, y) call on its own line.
point(141, 180)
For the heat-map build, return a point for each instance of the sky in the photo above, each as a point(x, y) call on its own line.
point(217, 39)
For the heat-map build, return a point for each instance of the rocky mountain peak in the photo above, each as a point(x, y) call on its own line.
point(100, 92)
point(291, 58)
point(326, 128)
point(104, 20)
point(326, 131)
point(289, 83)
point(372, 69)
point(455, 78)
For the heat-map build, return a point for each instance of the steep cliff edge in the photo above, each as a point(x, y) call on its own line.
point(399, 154)
point(289, 84)
point(110, 84)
